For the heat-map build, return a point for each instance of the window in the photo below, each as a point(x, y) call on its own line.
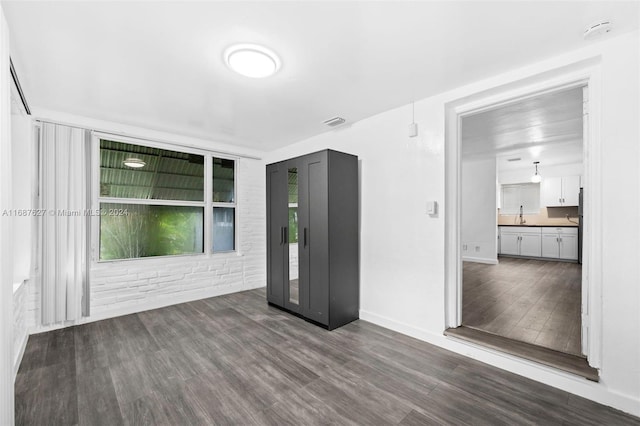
point(526, 195)
point(224, 206)
point(152, 202)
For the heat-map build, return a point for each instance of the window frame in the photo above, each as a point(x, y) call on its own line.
point(207, 204)
point(213, 204)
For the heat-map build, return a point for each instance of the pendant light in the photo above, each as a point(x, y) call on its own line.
point(536, 178)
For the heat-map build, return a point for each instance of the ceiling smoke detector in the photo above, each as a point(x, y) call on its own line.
point(597, 29)
point(333, 122)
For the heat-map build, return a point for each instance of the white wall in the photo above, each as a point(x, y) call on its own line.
point(20, 333)
point(478, 210)
point(122, 287)
point(24, 164)
point(23, 161)
point(6, 241)
point(405, 172)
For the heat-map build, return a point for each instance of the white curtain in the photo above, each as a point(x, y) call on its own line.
point(65, 202)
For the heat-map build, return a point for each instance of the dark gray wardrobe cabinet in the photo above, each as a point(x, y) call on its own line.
point(312, 237)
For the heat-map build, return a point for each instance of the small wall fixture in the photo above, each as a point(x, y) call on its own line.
point(135, 163)
point(252, 60)
point(536, 178)
point(413, 127)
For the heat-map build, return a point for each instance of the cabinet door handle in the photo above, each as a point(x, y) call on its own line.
point(281, 235)
point(304, 237)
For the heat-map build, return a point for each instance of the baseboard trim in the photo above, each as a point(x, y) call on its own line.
point(568, 382)
point(480, 260)
point(156, 303)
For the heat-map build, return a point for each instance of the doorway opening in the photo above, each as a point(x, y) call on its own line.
point(516, 268)
point(522, 166)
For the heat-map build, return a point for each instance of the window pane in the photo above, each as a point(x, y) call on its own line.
point(134, 230)
point(526, 195)
point(223, 180)
point(223, 229)
point(135, 171)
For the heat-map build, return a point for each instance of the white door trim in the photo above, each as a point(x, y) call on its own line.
point(588, 75)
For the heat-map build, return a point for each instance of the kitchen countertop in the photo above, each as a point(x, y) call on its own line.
point(545, 226)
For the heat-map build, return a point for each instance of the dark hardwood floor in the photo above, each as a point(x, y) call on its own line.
point(234, 360)
point(533, 301)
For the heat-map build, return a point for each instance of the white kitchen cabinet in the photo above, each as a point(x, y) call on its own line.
point(530, 245)
point(509, 243)
point(520, 241)
point(560, 191)
point(560, 243)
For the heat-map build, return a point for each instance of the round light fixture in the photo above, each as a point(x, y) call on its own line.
point(135, 163)
point(252, 60)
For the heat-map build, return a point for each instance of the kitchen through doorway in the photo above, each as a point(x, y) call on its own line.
point(522, 168)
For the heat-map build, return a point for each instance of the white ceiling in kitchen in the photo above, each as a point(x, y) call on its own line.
point(546, 128)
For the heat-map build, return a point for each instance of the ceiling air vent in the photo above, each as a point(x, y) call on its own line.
point(335, 121)
point(514, 159)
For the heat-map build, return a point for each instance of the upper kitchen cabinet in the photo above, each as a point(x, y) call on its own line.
point(560, 191)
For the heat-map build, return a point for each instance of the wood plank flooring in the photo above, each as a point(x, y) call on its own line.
point(235, 360)
point(533, 301)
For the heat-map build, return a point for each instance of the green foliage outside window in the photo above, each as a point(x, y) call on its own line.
point(149, 230)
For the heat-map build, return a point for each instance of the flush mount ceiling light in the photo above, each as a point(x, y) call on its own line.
point(252, 60)
point(536, 178)
point(135, 163)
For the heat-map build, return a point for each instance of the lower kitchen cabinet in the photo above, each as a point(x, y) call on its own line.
point(520, 241)
point(544, 242)
point(560, 243)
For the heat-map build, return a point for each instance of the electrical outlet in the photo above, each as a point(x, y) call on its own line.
point(464, 247)
point(477, 248)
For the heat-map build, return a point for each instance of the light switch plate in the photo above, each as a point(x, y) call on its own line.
point(432, 207)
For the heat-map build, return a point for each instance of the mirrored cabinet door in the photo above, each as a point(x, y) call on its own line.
point(293, 283)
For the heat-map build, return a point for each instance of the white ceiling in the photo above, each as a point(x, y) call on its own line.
point(546, 128)
point(158, 64)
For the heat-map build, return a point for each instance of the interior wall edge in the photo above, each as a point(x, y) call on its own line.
point(20, 354)
point(579, 386)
